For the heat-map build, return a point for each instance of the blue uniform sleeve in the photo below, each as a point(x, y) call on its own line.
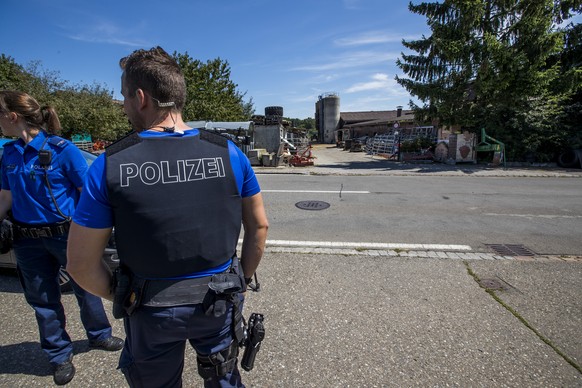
point(74, 165)
point(8, 148)
point(4, 182)
point(93, 209)
point(247, 182)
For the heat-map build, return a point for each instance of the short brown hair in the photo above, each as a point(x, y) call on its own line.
point(157, 73)
point(25, 106)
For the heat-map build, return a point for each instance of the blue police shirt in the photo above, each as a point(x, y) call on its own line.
point(94, 209)
point(23, 175)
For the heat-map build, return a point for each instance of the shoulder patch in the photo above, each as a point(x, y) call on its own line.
point(213, 137)
point(58, 141)
point(128, 140)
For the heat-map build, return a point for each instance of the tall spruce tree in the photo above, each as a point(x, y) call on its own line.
point(483, 62)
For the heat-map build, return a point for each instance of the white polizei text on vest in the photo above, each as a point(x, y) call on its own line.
point(166, 172)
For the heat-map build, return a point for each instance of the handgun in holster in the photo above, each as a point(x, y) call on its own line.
point(255, 334)
point(126, 295)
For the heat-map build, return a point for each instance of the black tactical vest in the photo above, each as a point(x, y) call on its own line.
point(176, 205)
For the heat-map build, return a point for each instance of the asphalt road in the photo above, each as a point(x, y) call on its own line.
point(375, 200)
point(346, 320)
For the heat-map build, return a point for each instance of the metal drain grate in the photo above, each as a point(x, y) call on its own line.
point(312, 205)
point(511, 250)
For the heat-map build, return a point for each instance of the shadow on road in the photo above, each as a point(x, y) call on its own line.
point(388, 165)
point(9, 281)
point(27, 358)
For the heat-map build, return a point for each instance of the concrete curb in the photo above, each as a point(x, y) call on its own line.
point(397, 250)
point(415, 254)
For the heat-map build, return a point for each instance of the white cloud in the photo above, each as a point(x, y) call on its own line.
point(307, 98)
point(109, 40)
point(380, 81)
point(351, 60)
point(324, 78)
point(105, 32)
point(373, 37)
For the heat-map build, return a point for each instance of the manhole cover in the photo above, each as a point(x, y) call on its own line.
point(312, 205)
point(491, 284)
point(511, 250)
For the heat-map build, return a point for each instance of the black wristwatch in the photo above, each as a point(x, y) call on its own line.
point(248, 281)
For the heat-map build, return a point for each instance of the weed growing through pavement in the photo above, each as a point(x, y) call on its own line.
point(522, 319)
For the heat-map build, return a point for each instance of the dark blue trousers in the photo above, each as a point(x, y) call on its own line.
point(38, 262)
point(153, 355)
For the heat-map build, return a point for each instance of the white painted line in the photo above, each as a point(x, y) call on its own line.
point(316, 191)
point(366, 245)
point(550, 216)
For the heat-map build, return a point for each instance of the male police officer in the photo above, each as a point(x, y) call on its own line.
point(176, 197)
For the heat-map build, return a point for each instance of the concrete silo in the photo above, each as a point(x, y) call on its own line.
point(327, 116)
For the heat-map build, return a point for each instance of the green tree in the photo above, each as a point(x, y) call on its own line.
point(568, 88)
point(308, 123)
point(497, 64)
point(12, 75)
point(33, 79)
point(212, 95)
point(482, 57)
point(82, 109)
point(90, 110)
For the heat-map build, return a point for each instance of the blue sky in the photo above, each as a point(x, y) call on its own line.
point(282, 53)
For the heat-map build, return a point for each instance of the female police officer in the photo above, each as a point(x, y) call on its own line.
point(42, 175)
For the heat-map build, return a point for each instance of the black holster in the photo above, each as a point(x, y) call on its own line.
point(6, 236)
point(227, 287)
point(127, 294)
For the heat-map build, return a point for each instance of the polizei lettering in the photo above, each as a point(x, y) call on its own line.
point(166, 172)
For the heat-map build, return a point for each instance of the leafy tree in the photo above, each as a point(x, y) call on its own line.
point(12, 75)
point(308, 123)
point(44, 82)
point(90, 110)
point(82, 109)
point(32, 80)
point(212, 95)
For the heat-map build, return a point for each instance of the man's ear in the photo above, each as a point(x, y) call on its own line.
point(13, 117)
point(141, 98)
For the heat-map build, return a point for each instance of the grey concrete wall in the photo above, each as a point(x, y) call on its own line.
point(268, 137)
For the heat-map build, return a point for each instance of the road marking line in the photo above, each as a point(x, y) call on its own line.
point(317, 191)
point(533, 215)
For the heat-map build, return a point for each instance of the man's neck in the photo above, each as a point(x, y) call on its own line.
point(171, 123)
